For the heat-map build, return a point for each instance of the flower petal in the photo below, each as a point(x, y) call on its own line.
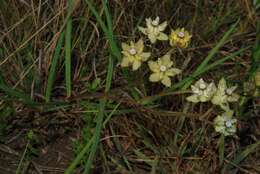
point(125, 53)
point(233, 98)
point(154, 67)
point(195, 89)
point(173, 71)
point(157, 19)
point(166, 60)
point(154, 77)
point(139, 46)
point(125, 47)
point(143, 30)
point(162, 36)
point(125, 62)
point(136, 65)
point(148, 21)
point(145, 56)
point(192, 98)
point(222, 85)
point(166, 81)
point(200, 82)
point(152, 38)
point(204, 98)
point(162, 26)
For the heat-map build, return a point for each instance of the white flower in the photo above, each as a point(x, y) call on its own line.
point(202, 91)
point(154, 30)
point(162, 70)
point(134, 55)
point(225, 124)
point(224, 94)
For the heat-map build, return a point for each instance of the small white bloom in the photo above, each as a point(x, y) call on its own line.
point(154, 30)
point(224, 94)
point(202, 91)
point(225, 124)
point(134, 55)
point(162, 70)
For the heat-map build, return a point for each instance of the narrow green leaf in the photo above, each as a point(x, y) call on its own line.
point(54, 62)
point(240, 156)
point(15, 94)
point(107, 30)
point(96, 136)
point(68, 51)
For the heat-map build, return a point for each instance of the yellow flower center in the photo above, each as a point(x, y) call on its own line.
point(162, 68)
point(132, 51)
point(181, 34)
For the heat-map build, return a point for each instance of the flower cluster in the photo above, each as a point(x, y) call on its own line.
point(220, 96)
point(162, 68)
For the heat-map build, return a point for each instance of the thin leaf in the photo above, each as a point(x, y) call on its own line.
point(68, 51)
point(54, 62)
point(240, 156)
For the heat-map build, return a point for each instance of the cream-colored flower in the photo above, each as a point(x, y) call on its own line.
point(225, 124)
point(202, 91)
point(133, 54)
point(162, 70)
point(180, 38)
point(223, 95)
point(154, 30)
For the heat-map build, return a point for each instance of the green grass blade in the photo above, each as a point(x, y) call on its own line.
point(85, 150)
point(119, 148)
point(113, 45)
point(19, 168)
point(109, 74)
point(107, 30)
point(222, 60)
point(68, 51)
point(114, 51)
point(96, 136)
point(255, 60)
point(79, 157)
point(108, 16)
point(111, 114)
point(240, 156)
point(98, 18)
point(15, 94)
point(216, 48)
point(100, 117)
point(189, 79)
point(51, 75)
